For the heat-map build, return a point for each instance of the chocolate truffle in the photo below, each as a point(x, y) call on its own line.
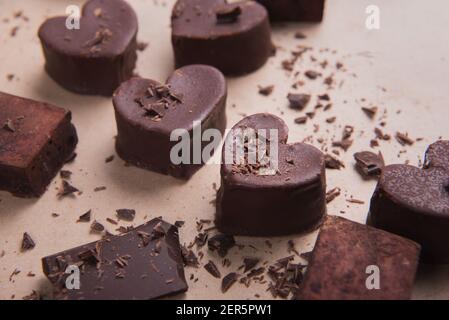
point(233, 37)
point(258, 199)
point(352, 261)
point(98, 56)
point(147, 113)
point(36, 139)
point(294, 10)
point(142, 264)
point(414, 203)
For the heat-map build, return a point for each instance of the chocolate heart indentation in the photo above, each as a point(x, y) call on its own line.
point(233, 37)
point(98, 56)
point(290, 200)
point(414, 203)
point(147, 112)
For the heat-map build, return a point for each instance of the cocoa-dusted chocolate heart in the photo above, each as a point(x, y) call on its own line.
point(414, 202)
point(98, 56)
point(233, 37)
point(147, 112)
point(256, 202)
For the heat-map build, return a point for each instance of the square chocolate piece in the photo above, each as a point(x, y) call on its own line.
point(36, 139)
point(142, 264)
point(352, 261)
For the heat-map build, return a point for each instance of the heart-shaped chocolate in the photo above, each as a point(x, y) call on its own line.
point(414, 203)
point(233, 37)
point(98, 56)
point(147, 112)
point(257, 202)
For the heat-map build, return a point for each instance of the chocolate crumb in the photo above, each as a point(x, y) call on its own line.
point(298, 101)
point(67, 189)
point(312, 75)
point(369, 164)
point(97, 227)
point(249, 263)
point(266, 91)
point(332, 194)
point(370, 112)
point(222, 243)
point(301, 120)
point(85, 217)
point(109, 159)
point(404, 139)
point(126, 214)
point(333, 163)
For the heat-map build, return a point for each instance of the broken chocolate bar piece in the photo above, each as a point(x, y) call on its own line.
point(132, 266)
point(32, 154)
point(369, 164)
point(294, 10)
point(352, 261)
point(96, 57)
point(195, 93)
point(233, 37)
point(414, 203)
point(275, 194)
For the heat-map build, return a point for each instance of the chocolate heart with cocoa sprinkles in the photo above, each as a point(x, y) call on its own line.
point(233, 37)
point(98, 56)
point(414, 202)
point(147, 112)
point(256, 202)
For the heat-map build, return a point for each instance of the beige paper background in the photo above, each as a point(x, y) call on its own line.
point(408, 57)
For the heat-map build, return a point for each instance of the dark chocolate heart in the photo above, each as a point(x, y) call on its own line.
point(233, 37)
point(147, 112)
point(288, 201)
point(414, 202)
point(98, 56)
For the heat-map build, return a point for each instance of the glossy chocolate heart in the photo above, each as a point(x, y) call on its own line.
point(98, 56)
point(414, 203)
point(290, 200)
point(233, 37)
point(147, 112)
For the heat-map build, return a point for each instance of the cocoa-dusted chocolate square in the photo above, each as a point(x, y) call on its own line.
point(36, 139)
point(352, 261)
point(294, 10)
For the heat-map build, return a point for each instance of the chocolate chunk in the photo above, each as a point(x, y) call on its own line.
point(27, 242)
point(85, 217)
point(344, 257)
point(221, 243)
point(146, 143)
point(32, 154)
point(369, 164)
point(224, 31)
point(295, 10)
point(228, 281)
point(413, 203)
point(211, 267)
point(266, 91)
point(189, 258)
point(67, 189)
point(97, 227)
point(298, 101)
point(126, 214)
point(333, 163)
point(140, 274)
point(250, 263)
point(257, 200)
point(370, 112)
point(228, 14)
point(98, 56)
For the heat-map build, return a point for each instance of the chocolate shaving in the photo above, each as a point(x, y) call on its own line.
point(249, 263)
point(301, 120)
point(126, 214)
point(298, 101)
point(212, 269)
point(85, 217)
point(312, 75)
point(222, 243)
point(370, 112)
point(332, 194)
point(266, 91)
point(228, 281)
point(27, 242)
point(404, 139)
